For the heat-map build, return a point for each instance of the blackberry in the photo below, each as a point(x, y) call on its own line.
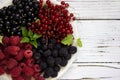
point(57, 68)
point(38, 61)
point(49, 71)
point(51, 46)
point(44, 47)
point(50, 61)
point(43, 65)
point(63, 62)
point(43, 40)
point(54, 74)
point(63, 52)
point(53, 41)
point(45, 75)
point(58, 46)
point(55, 53)
point(58, 60)
point(47, 53)
point(36, 56)
point(40, 51)
point(68, 57)
point(72, 49)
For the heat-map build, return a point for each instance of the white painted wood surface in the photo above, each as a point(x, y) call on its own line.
point(99, 28)
point(96, 9)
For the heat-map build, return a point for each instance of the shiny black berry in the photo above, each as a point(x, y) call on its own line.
point(54, 74)
point(63, 52)
point(58, 60)
point(57, 68)
point(43, 65)
point(63, 62)
point(49, 71)
point(54, 53)
point(50, 61)
point(47, 53)
point(72, 49)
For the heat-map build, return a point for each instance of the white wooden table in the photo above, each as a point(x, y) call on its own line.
point(98, 22)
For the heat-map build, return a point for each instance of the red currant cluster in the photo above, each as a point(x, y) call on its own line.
point(54, 20)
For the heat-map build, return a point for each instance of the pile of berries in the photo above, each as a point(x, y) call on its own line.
point(23, 61)
point(16, 59)
point(52, 56)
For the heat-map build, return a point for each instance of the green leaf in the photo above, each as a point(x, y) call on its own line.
point(24, 32)
point(68, 40)
point(1, 37)
point(25, 40)
point(79, 42)
point(30, 34)
point(34, 43)
point(36, 36)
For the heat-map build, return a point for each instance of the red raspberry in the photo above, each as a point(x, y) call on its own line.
point(28, 71)
point(28, 46)
point(30, 62)
point(15, 72)
point(36, 68)
point(14, 40)
point(5, 40)
point(22, 65)
point(13, 50)
point(7, 71)
point(18, 78)
point(36, 75)
point(20, 55)
point(21, 45)
point(28, 54)
point(3, 62)
point(2, 56)
point(11, 63)
point(2, 47)
point(1, 71)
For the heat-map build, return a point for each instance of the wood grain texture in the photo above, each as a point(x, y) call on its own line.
point(96, 9)
point(101, 41)
point(99, 58)
point(92, 73)
point(99, 29)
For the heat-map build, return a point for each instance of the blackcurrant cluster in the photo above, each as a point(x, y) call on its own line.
point(20, 13)
point(51, 55)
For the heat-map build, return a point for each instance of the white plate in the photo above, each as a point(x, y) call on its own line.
point(63, 69)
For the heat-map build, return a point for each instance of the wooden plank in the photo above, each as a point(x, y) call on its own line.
point(95, 9)
point(91, 9)
point(101, 41)
point(91, 73)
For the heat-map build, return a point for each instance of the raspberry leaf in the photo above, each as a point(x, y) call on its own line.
point(36, 36)
point(24, 32)
point(68, 40)
point(30, 34)
point(79, 42)
point(25, 40)
point(34, 43)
